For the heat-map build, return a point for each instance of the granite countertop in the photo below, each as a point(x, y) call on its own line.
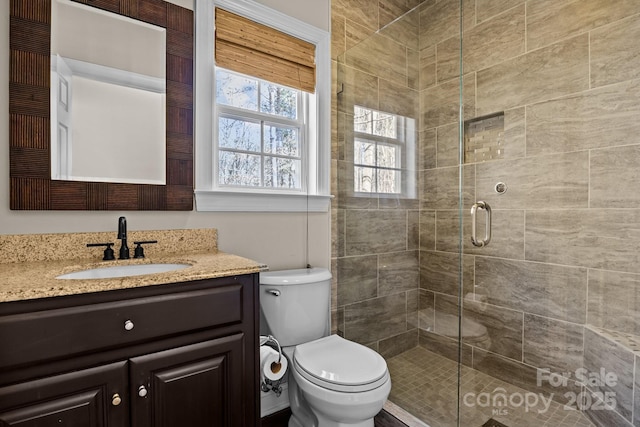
point(31, 277)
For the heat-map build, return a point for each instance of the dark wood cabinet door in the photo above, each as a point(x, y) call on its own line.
point(93, 397)
point(199, 385)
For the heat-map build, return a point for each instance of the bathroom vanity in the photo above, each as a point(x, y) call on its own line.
point(169, 349)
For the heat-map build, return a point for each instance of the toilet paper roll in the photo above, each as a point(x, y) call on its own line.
point(269, 366)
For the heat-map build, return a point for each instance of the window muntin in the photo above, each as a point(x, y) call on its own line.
point(383, 153)
point(261, 129)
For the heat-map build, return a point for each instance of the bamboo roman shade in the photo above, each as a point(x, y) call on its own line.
point(247, 47)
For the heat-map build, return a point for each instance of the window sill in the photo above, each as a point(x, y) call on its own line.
point(226, 201)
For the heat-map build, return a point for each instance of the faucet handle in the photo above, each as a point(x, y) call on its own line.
point(108, 252)
point(138, 252)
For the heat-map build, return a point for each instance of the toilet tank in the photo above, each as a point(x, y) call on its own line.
point(296, 304)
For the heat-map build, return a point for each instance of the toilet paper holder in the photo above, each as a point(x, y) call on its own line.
point(267, 384)
point(264, 339)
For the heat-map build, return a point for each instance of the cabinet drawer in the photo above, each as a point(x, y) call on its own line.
point(71, 331)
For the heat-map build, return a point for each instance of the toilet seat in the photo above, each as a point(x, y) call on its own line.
point(340, 365)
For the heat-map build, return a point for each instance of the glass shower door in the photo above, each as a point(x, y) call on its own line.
point(550, 306)
point(397, 175)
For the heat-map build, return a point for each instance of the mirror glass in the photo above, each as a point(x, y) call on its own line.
point(30, 147)
point(108, 96)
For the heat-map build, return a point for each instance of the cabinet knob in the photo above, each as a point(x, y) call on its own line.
point(128, 325)
point(115, 399)
point(142, 391)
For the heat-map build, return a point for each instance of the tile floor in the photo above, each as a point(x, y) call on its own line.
point(425, 385)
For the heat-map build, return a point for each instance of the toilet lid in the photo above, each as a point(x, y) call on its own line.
point(338, 364)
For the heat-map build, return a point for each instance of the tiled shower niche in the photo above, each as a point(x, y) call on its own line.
point(484, 138)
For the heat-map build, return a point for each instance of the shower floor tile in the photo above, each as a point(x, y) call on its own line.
point(425, 385)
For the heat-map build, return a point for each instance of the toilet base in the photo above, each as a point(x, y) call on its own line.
point(325, 422)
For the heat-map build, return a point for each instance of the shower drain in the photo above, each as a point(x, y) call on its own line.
point(493, 423)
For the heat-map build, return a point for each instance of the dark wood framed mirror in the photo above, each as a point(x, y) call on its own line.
point(29, 109)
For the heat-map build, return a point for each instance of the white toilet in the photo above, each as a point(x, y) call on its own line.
point(333, 382)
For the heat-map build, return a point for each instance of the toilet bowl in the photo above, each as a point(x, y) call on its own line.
point(343, 382)
point(333, 382)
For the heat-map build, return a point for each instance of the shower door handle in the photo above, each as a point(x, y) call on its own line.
point(480, 206)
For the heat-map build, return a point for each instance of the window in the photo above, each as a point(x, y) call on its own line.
point(262, 136)
point(261, 132)
point(383, 153)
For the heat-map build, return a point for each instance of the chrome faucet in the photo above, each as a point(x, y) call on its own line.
point(122, 235)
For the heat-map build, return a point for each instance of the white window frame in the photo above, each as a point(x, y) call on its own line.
point(318, 138)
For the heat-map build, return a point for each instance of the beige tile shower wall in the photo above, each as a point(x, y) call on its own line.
point(564, 252)
point(376, 240)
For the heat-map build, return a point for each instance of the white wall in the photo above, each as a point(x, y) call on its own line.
point(279, 240)
point(314, 12)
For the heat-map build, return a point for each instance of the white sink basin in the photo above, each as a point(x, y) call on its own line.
point(123, 271)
